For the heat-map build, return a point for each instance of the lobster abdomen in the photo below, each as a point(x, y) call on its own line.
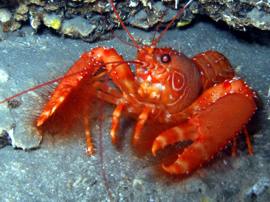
point(214, 68)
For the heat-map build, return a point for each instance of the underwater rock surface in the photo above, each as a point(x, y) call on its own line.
point(97, 18)
point(60, 171)
point(239, 14)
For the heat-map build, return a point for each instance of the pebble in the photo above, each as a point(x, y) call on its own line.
point(259, 187)
point(52, 21)
point(5, 15)
point(34, 21)
point(3, 76)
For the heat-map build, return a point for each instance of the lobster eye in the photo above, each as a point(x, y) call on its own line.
point(165, 58)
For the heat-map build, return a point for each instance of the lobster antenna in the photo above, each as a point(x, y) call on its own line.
point(39, 86)
point(180, 12)
point(61, 78)
point(157, 28)
point(122, 40)
point(123, 25)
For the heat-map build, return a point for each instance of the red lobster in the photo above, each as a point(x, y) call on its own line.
point(200, 96)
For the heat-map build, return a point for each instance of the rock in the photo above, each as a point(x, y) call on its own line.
point(21, 13)
point(259, 187)
point(77, 27)
point(24, 137)
point(52, 21)
point(146, 20)
point(35, 20)
point(22, 9)
point(5, 15)
point(16, 132)
point(144, 14)
point(3, 76)
point(4, 139)
point(141, 20)
point(238, 14)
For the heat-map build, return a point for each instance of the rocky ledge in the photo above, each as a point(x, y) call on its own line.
point(92, 20)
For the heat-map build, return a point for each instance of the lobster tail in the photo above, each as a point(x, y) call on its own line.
point(214, 68)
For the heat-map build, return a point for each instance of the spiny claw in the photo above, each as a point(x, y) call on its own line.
point(178, 167)
point(183, 132)
point(190, 159)
point(159, 143)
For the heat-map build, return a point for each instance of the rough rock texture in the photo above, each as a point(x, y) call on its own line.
point(239, 14)
point(60, 171)
point(92, 20)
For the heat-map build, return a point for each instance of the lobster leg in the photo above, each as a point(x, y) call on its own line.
point(115, 120)
point(107, 89)
point(141, 121)
point(219, 114)
point(88, 138)
point(248, 142)
point(234, 147)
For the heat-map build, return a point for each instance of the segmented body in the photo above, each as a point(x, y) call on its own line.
point(200, 96)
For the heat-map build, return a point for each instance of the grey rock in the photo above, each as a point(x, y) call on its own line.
point(158, 14)
point(52, 21)
point(239, 14)
point(144, 14)
point(140, 20)
point(5, 15)
point(35, 20)
point(19, 134)
point(77, 27)
point(259, 187)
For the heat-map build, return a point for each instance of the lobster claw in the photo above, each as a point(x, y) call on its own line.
point(184, 132)
point(218, 121)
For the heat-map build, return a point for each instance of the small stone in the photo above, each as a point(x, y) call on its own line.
point(140, 20)
point(146, 3)
point(34, 21)
point(51, 7)
point(38, 2)
point(3, 76)
point(259, 187)
point(5, 15)
point(183, 23)
point(137, 184)
point(77, 27)
point(20, 17)
point(15, 26)
point(133, 3)
point(145, 20)
point(52, 21)
point(24, 136)
point(22, 9)
point(4, 139)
